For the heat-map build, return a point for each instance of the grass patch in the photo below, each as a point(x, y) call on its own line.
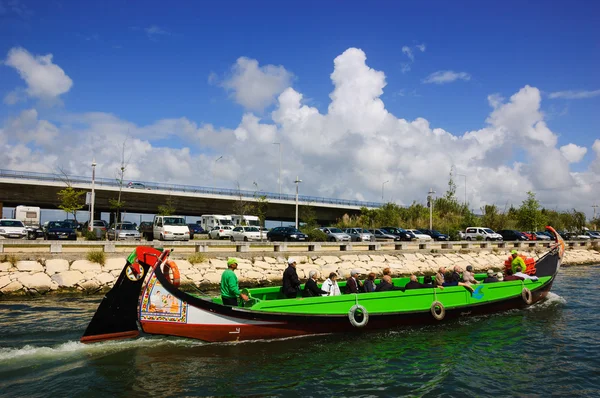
point(95, 256)
point(196, 258)
point(10, 258)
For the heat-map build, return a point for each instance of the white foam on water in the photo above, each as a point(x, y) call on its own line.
point(551, 300)
point(75, 348)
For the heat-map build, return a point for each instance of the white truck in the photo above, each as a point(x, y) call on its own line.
point(208, 222)
point(170, 228)
point(30, 217)
point(251, 221)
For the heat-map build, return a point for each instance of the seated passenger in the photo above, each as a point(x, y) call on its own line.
point(386, 285)
point(510, 277)
point(490, 278)
point(440, 279)
point(469, 275)
point(353, 285)
point(387, 271)
point(456, 273)
point(428, 279)
point(525, 276)
point(415, 284)
point(330, 286)
point(310, 287)
point(370, 283)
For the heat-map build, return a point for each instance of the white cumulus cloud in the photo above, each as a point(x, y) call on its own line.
point(255, 87)
point(346, 151)
point(573, 153)
point(446, 76)
point(45, 80)
point(406, 50)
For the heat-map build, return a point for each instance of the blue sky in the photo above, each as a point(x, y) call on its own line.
point(148, 61)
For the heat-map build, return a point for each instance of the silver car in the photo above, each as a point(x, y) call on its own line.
point(383, 235)
point(125, 231)
point(360, 235)
point(335, 234)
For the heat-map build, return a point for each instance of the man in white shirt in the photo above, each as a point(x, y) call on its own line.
point(524, 276)
point(330, 286)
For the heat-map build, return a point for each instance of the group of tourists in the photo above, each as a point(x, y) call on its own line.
point(291, 286)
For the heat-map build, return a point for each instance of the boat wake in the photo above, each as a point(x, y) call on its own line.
point(75, 348)
point(552, 300)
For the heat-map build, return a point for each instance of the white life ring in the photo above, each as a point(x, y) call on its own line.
point(527, 296)
point(352, 313)
point(435, 306)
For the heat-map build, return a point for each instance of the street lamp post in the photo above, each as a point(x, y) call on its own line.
point(430, 200)
point(383, 185)
point(213, 170)
point(297, 182)
point(463, 175)
point(279, 144)
point(93, 199)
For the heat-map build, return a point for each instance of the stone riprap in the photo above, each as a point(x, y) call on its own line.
point(59, 275)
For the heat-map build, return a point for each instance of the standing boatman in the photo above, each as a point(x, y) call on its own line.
point(517, 262)
point(230, 291)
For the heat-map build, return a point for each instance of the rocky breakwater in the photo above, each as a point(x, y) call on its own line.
point(36, 277)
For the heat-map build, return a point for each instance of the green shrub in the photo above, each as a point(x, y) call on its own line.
point(196, 258)
point(479, 238)
point(95, 256)
point(315, 235)
point(454, 236)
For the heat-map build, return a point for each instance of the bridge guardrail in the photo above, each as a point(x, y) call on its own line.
point(242, 247)
point(29, 175)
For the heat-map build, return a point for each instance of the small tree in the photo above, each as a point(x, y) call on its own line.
point(168, 209)
point(241, 206)
point(529, 214)
point(261, 209)
point(71, 200)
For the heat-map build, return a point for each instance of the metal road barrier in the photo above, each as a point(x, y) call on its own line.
point(110, 182)
point(243, 247)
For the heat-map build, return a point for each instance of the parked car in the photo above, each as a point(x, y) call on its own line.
point(195, 229)
point(220, 232)
point(530, 235)
point(420, 236)
point(382, 235)
point(359, 235)
point(285, 234)
point(472, 233)
point(403, 234)
point(123, 231)
point(60, 230)
point(75, 224)
point(435, 235)
point(541, 236)
point(245, 233)
point(512, 235)
point(12, 228)
point(146, 230)
point(335, 234)
point(462, 235)
point(580, 236)
point(170, 228)
point(593, 234)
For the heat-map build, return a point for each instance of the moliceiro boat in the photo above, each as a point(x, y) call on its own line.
point(146, 296)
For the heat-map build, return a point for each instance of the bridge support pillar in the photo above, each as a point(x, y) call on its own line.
point(501, 245)
point(424, 246)
point(201, 248)
point(447, 245)
point(399, 246)
point(345, 247)
point(1, 248)
point(374, 246)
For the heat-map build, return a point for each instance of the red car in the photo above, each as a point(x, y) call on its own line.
point(530, 235)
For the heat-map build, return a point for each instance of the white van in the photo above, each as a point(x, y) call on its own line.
point(251, 221)
point(472, 233)
point(30, 217)
point(208, 222)
point(170, 228)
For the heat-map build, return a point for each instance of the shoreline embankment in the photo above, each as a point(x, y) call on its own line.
point(39, 274)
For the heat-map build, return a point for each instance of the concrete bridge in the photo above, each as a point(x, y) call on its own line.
point(40, 189)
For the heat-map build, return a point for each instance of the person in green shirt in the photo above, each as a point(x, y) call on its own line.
point(517, 262)
point(230, 290)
